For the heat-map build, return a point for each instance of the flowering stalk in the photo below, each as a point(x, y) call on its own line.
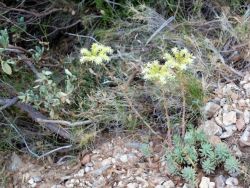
point(176, 63)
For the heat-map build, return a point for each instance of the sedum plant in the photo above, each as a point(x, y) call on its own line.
point(195, 151)
point(98, 54)
point(173, 69)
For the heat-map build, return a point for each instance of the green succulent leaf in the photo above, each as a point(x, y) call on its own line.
point(189, 175)
point(231, 165)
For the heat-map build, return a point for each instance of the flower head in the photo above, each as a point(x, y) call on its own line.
point(179, 59)
point(97, 54)
point(156, 72)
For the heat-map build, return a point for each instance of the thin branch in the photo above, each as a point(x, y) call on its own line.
point(9, 103)
point(82, 36)
point(63, 28)
point(54, 150)
point(66, 123)
point(34, 114)
point(169, 20)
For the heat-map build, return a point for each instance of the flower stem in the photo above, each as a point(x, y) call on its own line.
point(169, 131)
point(183, 122)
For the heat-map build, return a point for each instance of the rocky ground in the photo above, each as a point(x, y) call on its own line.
point(127, 161)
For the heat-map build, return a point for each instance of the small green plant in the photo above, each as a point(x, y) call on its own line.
point(189, 174)
point(4, 39)
point(195, 151)
point(37, 53)
point(145, 149)
point(47, 94)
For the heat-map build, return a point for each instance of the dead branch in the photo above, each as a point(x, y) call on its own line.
point(66, 123)
point(34, 115)
point(9, 103)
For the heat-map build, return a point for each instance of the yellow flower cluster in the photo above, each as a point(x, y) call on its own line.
point(180, 59)
point(97, 54)
point(158, 73)
point(174, 63)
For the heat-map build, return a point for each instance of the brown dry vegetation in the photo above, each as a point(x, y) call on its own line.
point(48, 35)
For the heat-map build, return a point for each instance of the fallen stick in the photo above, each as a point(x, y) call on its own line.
point(66, 123)
point(34, 115)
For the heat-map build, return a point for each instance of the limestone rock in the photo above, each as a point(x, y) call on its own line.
point(229, 118)
point(220, 181)
point(16, 162)
point(210, 109)
point(232, 181)
point(204, 182)
point(210, 128)
point(229, 131)
point(132, 185)
point(246, 116)
point(169, 184)
point(211, 185)
point(245, 138)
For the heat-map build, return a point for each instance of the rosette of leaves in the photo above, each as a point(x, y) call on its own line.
point(194, 151)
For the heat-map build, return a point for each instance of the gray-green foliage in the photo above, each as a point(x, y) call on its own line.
point(47, 94)
point(189, 174)
point(4, 38)
point(195, 151)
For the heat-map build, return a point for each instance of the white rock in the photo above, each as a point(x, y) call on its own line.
point(185, 186)
point(246, 117)
point(210, 128)
point(211, 185)
point(232, 181)
point(229, 118)
point(16, 162)
point(88, 169)
point(159, 186)
point(218, 120)
point(242, 103)
point(33, 185)
point(107, 161)
point(57, 186)
point(132, 185)
point(101, 170)
point(169, 184)
point(204, 182)
point(37, 179)
point(210, 109)
point(80, 173)
point(68, 184)
point(245, 137)
point(31, 181)
point(246, 86)
point(220, 181)
point(229, 131)
point(223, 101)
point(124, 158)
point(100, 182)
